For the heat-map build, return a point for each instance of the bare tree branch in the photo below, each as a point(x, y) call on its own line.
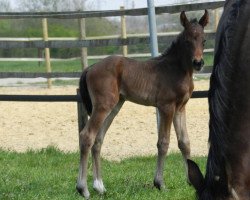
point(5, 6)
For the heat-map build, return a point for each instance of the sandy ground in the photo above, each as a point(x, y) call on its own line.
point(36, 125)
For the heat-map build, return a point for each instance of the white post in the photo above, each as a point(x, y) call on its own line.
point(153, 39)
point(47, 51)
point(84, 51)
point(124, 33)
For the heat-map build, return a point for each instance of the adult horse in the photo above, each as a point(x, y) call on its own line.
point(228, 165)
point(164, 82)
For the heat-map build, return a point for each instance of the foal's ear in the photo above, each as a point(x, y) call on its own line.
point(184, 20)
point(204, 19)
point(195, 176)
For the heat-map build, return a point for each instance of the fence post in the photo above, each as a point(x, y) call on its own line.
point(216, 18)
point(82, 114)
point(124, 33)
point(47, 52)
point(84, 53)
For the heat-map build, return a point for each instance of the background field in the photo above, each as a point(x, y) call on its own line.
point(67, 66)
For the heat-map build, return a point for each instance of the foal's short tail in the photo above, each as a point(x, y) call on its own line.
point(85, 93)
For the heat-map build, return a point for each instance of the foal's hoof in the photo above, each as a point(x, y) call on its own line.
point(159, 184)
point(99, 187)
point(85, 193)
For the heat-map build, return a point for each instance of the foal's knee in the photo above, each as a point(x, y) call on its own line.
point(86, 140)
point(162, 146)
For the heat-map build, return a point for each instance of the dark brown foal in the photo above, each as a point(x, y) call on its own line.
point(164, 82)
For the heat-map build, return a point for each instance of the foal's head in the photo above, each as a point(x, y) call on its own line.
point(193, 38)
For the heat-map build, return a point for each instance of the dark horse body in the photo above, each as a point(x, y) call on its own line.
point(228, 165)
point(164, 82)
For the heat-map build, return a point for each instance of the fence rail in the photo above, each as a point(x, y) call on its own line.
point(111, 13)
point(40, 75)
point(134, 40)
point(67, 98)
point(41, 98)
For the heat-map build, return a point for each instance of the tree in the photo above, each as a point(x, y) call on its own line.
point(5, 6)
point(51, 5)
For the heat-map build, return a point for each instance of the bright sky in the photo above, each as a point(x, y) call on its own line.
point(115, 4)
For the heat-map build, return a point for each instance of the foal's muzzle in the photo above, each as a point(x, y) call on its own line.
point(198, 64)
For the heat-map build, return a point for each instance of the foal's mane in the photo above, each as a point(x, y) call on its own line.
point(172, 47)
point(220, 105)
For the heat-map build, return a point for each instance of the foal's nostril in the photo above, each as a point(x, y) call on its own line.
point(198, 63)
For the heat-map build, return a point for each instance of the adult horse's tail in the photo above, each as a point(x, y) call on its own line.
point(85, 93)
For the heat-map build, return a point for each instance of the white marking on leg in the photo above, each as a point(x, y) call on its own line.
point(98, 186)
point(235, 195)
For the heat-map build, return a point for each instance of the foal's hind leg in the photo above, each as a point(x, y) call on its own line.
point(87, 138)
point(182, 135)
point(166, 118)
point(96, 149)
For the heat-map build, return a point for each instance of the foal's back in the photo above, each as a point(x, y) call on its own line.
point(142, 82)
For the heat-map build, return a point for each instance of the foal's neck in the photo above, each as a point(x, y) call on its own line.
point(177, 55)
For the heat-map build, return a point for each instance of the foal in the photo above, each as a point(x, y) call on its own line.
point(164, 82)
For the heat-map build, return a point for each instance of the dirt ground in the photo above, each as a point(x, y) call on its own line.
point(36, 125)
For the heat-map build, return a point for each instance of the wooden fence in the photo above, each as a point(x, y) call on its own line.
point(83, 42)
point(132, 40)
point(48, 43)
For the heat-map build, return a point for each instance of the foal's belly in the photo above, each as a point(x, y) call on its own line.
point(139, 98)
point(162, 99)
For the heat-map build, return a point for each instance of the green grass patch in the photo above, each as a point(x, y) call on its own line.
point(63, 66)
point(51, 174)
point(209, 59)
point(56, 66)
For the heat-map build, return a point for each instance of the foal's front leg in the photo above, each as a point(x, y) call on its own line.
point(165, 120)
point(182, 135)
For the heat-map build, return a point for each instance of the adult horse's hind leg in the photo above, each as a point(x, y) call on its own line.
point(86, 139)
point(96, 149)
point(182, 135)
point(166, 118)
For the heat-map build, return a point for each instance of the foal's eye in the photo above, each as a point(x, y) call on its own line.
point(204, 41)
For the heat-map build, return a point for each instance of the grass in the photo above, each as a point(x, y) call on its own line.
point(57, 66)
point(51, 174)
point(61, 66)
